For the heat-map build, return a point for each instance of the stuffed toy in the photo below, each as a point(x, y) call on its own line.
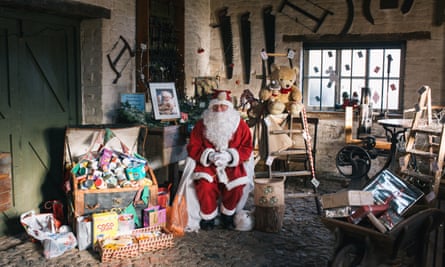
point(282, 94)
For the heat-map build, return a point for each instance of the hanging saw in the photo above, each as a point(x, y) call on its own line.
point(269, 33)
point(226, 36)
point(246, 45)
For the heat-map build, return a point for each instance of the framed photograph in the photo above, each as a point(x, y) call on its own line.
point(164, 101)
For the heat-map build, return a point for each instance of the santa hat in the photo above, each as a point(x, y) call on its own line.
point(221, 97)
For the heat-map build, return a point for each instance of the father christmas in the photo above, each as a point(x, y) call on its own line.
point(220, 144)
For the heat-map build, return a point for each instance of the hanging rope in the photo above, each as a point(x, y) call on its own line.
point(308, 138)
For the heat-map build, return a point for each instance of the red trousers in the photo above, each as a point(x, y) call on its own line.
point(209, 193)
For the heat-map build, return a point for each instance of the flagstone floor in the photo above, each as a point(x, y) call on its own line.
point(302, 241)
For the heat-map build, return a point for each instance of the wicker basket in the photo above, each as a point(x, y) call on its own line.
point(153, 238)
point(108, 254)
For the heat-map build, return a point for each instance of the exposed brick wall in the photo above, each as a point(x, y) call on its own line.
point(424, 58)
point(100, 96)
point(424, 61)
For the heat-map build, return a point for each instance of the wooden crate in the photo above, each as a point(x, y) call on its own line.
point(166, 145)
point(98, 200)
point(79, 142)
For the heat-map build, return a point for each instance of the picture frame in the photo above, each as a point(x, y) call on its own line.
point(164, 100)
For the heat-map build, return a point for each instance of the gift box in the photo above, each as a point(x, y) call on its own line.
point(155, 216)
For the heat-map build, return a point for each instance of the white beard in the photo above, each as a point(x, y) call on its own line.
point(220, 126)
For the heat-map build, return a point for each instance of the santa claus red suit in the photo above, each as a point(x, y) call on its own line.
point(220, 143)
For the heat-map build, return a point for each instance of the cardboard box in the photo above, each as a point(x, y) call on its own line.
point(166, 145)
point(347, 198)
point(105, 225)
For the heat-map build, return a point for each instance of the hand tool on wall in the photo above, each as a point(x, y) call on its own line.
point(318, 19)
point(113, 62)
point(246, 45)
point(366, 8)
point(269, 34)
point(407, 5)
point(350, 17)
point(227, 42)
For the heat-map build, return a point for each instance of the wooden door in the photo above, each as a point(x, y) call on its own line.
point(38, 96)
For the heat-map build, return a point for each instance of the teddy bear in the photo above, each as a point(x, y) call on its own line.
point(282, 94)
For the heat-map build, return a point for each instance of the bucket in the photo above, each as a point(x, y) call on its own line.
point(269, 204)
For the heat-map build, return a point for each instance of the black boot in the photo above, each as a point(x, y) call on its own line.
point(207, 224)
point(227, 222)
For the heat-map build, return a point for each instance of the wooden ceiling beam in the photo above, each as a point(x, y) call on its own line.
point(60, 7)
point(378, 37)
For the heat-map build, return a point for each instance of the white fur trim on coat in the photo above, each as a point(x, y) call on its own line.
point(209, 216)
point(202, 175)
point(239, 181)
point(205, 157)
point(226, 211)
point(235, 157)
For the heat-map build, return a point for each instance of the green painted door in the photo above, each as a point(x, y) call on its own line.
point(38, 94)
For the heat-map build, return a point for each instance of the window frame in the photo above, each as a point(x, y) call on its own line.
point(306, 46)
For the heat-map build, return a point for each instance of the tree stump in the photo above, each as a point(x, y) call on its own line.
point(269, 219)
point(269, 204)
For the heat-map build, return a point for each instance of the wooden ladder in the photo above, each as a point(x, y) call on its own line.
point(425, 141)
point(289, 152)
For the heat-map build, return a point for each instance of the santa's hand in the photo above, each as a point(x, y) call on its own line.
point(220, 164)
point(222, 159)
point(212, 156)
